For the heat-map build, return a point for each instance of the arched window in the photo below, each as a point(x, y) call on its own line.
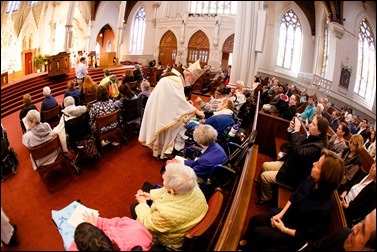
point(138, 31)
point(366, 64)
point(325, 55)
point(108, 46)
point(290, 38)
point(12, 6)
point(213, 7)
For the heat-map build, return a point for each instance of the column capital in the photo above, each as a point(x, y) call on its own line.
point(337, 29)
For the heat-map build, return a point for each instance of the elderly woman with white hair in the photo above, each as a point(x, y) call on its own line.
point(48, 102)
point(70, 111)
point(212, 153)
point(238, 94)
point(38, 133)
point(176, 207)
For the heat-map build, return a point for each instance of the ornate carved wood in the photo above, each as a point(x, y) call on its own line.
point(228, 44)
point(198, 47)
point(168, 49)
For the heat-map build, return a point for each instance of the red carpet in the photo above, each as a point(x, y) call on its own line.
point(109, 186)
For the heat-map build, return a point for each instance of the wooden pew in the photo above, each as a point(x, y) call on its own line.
point(232, 228)
point(269, 127)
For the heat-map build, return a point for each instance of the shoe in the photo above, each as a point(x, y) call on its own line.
point(13, 241)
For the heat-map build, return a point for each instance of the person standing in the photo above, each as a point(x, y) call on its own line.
point(81, 71)
point(165, 109)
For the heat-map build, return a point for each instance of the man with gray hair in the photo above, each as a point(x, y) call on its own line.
point(48, 102)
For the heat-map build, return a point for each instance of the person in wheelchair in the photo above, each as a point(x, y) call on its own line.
point(212, 153)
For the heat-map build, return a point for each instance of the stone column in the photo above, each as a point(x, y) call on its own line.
point(244, 65)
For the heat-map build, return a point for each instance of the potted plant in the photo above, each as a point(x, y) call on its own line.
point(39, 62)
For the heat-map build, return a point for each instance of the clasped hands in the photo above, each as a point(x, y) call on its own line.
point(142, 196)
point(276, 222)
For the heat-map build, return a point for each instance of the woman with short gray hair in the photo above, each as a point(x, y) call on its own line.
point(38, 133)
point(212, 154)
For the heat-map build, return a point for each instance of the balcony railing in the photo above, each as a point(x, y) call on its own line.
point(314, 82)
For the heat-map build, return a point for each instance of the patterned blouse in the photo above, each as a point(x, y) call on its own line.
point(98, 109)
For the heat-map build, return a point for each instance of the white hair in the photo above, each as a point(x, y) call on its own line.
point(241, 83)
point(46, 91)
point(181, 178)
point(33, 116)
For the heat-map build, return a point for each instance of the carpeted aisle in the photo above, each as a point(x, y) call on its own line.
point(108, 186)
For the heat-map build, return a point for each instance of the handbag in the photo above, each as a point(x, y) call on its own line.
point(113, 90)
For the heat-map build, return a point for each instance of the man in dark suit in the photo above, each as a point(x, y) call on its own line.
point(363, 129)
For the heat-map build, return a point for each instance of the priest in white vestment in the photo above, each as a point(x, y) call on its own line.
point(165, 108)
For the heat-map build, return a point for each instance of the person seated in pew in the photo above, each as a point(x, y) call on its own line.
point(89, 86)
point(103, 106)
point(170, 211)
point(370, 143)
point(334, 120)
point(145, 88)
point(237, 95)
point(214, 102)
point(74, 92)
point(305, 215)
point(110, 234)
point(70, 111)
point(26, 98)
point(360, 199)
point(353, 125)
point(309, 111)
point(303, 150)
point(289, 109)
point(337, 143)
point(352, 161)
point(38, 133)
point(49, 102)
point(362, 237)
point(212, 153)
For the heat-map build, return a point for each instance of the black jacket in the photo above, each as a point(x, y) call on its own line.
point(303, 152)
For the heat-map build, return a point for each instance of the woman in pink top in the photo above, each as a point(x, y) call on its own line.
point(102, 234)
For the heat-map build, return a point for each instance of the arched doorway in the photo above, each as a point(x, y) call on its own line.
point(226, 59)
point(106, 42)
point(168, 49)
point(198, 48)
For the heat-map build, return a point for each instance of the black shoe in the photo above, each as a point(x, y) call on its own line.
point(13, 241)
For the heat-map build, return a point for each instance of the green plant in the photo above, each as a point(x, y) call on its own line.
point(39, 61)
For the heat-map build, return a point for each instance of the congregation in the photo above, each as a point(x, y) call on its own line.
point(285, 101)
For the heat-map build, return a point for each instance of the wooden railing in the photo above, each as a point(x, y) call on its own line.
point(232, 229)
